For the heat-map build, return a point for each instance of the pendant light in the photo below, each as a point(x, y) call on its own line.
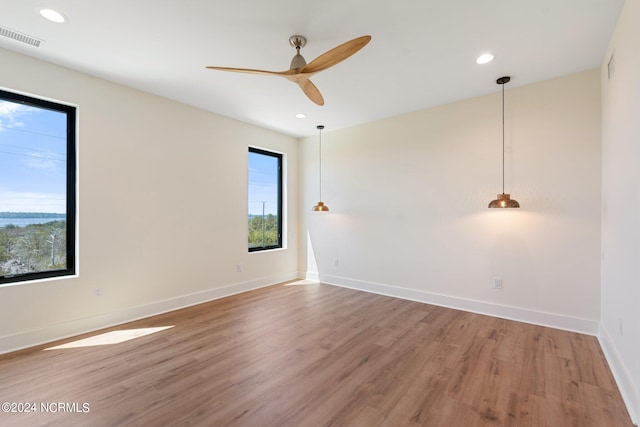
point(320, 207)
point(503, 200)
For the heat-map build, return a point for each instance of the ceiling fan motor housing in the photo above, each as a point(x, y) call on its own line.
point(298, 60)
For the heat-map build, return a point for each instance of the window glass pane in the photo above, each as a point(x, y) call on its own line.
point(265, 204)
point(35, 225)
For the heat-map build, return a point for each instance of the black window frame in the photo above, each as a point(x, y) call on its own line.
point(279, 157)
point(71, 187)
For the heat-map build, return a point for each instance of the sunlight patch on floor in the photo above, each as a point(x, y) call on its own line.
point(301, 283)
point(108, 338)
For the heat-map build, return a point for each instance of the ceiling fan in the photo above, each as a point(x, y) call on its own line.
point(300, 72)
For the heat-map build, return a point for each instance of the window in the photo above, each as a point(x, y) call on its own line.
point(37, 188)
point(265, 200)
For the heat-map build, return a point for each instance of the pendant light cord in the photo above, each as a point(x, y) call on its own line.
point(504, 200)
point(503, 138)
point(320, 127)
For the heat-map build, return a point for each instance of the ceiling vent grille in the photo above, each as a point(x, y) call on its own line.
point(21, 37)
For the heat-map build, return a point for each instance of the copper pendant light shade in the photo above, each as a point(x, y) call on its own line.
point(320, 206)
point(504, 200)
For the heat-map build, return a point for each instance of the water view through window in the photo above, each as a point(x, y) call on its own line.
point(37, 185)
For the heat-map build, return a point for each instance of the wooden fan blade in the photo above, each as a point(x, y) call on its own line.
point(336, 55)
point(311, 91)
point(251, 71)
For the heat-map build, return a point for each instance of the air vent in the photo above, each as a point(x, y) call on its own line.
point(21, 37)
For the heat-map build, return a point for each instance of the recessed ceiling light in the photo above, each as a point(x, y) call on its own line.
point(52, 15)
point(484, 58)
point(301, 115)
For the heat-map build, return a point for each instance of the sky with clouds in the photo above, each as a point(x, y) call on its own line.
point(32, 159)
point(263, 184)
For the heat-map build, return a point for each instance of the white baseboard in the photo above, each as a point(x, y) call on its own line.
point(58, 331)
point(628, 389)
point(557, 321)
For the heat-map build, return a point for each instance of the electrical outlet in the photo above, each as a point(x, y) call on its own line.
point(98, 292)
point(336, 262)
point(239, 268)
point(497, 283)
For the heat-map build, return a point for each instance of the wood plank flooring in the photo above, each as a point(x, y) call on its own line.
point(317, 355)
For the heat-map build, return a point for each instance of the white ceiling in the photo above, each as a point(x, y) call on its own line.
point(422, 52)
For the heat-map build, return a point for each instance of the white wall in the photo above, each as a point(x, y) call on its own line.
point(620, 329)
point(162, 208)
point(408, 199)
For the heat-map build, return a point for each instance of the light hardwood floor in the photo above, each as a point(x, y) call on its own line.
point(319, 355)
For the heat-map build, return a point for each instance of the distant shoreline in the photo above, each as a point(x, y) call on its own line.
point(24, 219)
point(30, 215)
